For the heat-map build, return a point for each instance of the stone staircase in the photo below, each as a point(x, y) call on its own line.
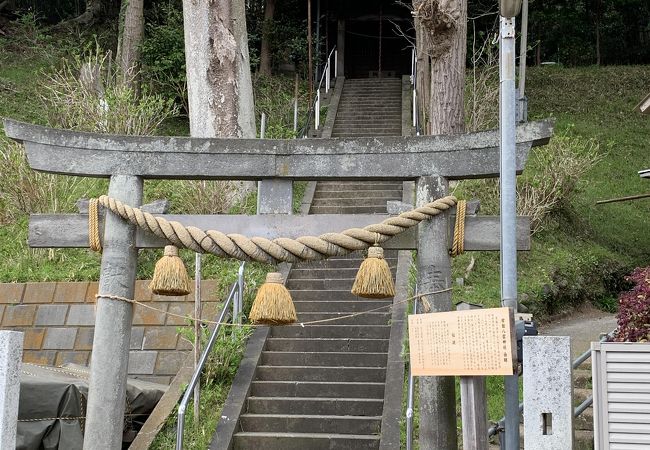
point(369, 107)
point(322, 386)
point(583, 425)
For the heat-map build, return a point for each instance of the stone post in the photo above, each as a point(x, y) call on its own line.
point(110, 357)
point(548, 393)
point(437, 394)
point(11, 352)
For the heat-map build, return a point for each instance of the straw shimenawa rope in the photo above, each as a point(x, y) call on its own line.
point(458, 245)
point(93, 225)
point(277, 250)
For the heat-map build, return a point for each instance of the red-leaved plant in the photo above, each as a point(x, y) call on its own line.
point(634, 309)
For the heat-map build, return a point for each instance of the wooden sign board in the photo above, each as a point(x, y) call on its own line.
point(464, 343)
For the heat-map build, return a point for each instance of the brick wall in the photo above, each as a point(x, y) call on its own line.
point(58, 321)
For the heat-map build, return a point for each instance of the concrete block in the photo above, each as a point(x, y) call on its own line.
point(169, 363)
point(60, 339)
point(548, 393)
point(184, 309)
point(146, 316)
point(93, 289)
point(51, 315)
point(137, 335)
point(142, 292)
point(33, 339)
point(11, 347)
point(74, 357)
point(84, 338)
point(160, 338)
point(39, 292)
point(40, 357)
point(19, 315)
point(158, 379)
point(11, 292)
point(81, 315)
point(142, 362)
point(70, 292)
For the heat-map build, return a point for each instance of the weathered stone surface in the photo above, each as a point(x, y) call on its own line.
point(38, 292)
point(11, 347)
point(33, 338)
point(70, 292)
point(84, 338)
point(183, 309)
point(146, 316)
point(40, 357)
point(81, 315)
point(93, 289)
point(162, 157)
point(159, 338)
point(12, 292)
point(19, 315)
point(59, 339)
point(168, 363)
point(137, 336)
point(548, 393)
point(142, 362)
point(51, 315)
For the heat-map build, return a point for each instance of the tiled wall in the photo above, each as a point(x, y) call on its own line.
point(58, 320)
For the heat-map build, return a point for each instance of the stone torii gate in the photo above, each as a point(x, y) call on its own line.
point(128, 160)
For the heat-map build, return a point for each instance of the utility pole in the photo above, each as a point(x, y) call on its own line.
point(508, 198)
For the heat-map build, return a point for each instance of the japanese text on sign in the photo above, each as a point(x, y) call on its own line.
point(465, 343)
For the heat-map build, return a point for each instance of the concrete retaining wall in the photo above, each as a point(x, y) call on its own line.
point(58, 321)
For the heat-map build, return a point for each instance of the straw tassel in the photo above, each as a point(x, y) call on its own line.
point(170, 275)
point(374, 279)
point(273, 304)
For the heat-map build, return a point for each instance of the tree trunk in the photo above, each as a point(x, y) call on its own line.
point(448, 50)
point(423, 76)
point(130, 39)
point(442, 26)
point(220, 92)
point(265, 51)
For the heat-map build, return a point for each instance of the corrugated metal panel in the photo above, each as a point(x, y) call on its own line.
point(621, 380)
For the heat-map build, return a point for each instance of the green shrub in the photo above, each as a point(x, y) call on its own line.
point(549, 183)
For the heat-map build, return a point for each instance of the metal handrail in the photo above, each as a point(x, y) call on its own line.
point(235, 296)
point(409, 405)
point(326, 78)
point(494, 429)
point(414, 83)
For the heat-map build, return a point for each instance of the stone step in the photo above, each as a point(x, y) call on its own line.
point(340, 318)
point(304, 441)
point(293, 423)
point(333, 331)
point(348, 359)
point(306, 274)
point(343, 195)
point(320, 284)
point(327, 345)
point(378, 95)
point(366, 131)
point(325, 306)
point(331, 295)
point(356, 202)
point(369, 122)
point(360, 135)
point(585, 421)
point(340, 263)
point(355, 110)
point(315, 405)
point(363, 188)
point(376, 209)
point(321, 373)
point(580, 395)
point(582, 379)
point(317, 389)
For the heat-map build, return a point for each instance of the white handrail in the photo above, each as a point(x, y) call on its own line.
point(326, 78)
